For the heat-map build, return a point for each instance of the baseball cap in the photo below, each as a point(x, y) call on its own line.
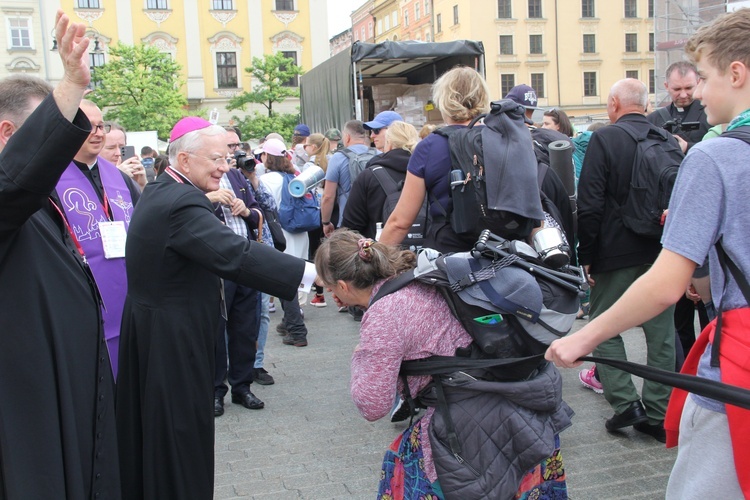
point(523, 95)
point(333, 134)
point(383, 119)
point(273, 147)
point(302, 130)
point(187, 125)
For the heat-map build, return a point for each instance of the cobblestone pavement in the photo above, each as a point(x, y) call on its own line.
point(310, 442)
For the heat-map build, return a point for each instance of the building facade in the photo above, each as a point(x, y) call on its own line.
point(387, 20)
point(416, 20)
point(341, 42)
point(363, 23)
point(213, 40)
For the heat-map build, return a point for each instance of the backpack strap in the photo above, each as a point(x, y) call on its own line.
point(730, 268)
point(741, 133)
point(385, 180)
point(663, 113)
point(393, 285)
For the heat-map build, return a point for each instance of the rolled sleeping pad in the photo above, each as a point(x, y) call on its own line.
point(306, 180)
point(561, 161)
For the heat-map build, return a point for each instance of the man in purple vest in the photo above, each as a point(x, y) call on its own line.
point(97, 200)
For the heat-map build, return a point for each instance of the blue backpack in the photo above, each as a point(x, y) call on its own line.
point(298, 215)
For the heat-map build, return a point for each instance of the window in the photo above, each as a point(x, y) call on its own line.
point(633, 73)
point(537, 83)
point(222, 5)
point(506, 45)
point(417, 14)
point(631, 42)
point(362, 34)
point(96, 59)
point(426, 36)
point(439, 22)
point(631, 8)
point(293, 81)
point(427, 7)
point(88, 4)
point(455, 14)
point(535, 45)
point(651, 81)
point(157, 5)
point(589, 44)
point(19, 32)
point(589, 83)
point(370, 27)
point(650, 42)
point(387, 22)
point(380, 26)
point(507, 82)
point(650, 8)
point(226, 70)
point(535, 9)
point(587, 8)
point(394, 15)
point(287, 5)
point(503, 9)
point(406, 17)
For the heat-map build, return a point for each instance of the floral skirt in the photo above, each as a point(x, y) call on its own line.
point(403, 476)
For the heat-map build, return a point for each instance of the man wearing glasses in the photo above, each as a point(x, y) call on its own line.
point(97, 200)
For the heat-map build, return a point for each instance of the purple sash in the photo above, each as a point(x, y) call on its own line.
point(81, 206)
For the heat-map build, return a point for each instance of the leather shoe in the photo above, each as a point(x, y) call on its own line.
point(248, 400)
point(656, 431)
point(218, 407)
point(635, 414)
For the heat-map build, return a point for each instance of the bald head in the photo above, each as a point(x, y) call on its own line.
point(625, 97)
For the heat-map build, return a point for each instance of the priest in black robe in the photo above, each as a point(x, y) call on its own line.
point(176, 253)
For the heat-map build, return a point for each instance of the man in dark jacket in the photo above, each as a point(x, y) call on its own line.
point(57, 427)
point(615, 257)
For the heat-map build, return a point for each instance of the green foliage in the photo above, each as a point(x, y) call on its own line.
point(258, 126)
point(140, 88)
point(269, 75)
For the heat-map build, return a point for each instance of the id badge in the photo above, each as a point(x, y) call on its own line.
point(113, 239)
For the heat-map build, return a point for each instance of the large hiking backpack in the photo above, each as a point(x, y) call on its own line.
point(657, 159)
point(494, 173)
point(298, 215)
point(415, 237)
point(358, 161)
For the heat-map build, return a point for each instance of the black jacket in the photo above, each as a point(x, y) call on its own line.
point(693, 113)
point(364, 208)
point(603, 241)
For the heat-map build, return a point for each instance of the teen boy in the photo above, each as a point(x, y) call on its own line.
point(709, 205)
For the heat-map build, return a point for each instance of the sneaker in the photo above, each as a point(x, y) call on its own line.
point(295, 341)
point(262, 377)
point(281, 329)
point(318, 301)
point(271, 308)
point(589, 380)
point(343, 309)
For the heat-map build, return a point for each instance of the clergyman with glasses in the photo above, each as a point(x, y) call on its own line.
point(177, 251)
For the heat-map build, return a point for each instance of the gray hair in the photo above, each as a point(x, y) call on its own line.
point(355, 129)
point(631, 93)
point(191, 142)
point(16, 92)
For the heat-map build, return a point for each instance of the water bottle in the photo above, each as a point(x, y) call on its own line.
point(378, 230)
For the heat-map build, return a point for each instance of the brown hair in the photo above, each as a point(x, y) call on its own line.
point(16, 93)
point(723, 41)
point(338, 258)
point(278, 164)
point(562, 121)
point(461, 94)
point(322, 147)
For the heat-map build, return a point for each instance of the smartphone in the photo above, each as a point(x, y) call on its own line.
point(127, 152)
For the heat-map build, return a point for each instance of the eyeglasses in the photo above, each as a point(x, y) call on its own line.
point(218, 162)
point(102, 127)
point(376, 131)
point(234, 145)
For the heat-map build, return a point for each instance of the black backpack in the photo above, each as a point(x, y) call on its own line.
point(415, 238)
point(657, 160)
point(358, 161)
point(494, 172)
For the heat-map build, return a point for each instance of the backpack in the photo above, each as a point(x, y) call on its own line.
point(415, 238)
point(657, 160)
point(493, 172)
point(358, 161)
point(298, 215)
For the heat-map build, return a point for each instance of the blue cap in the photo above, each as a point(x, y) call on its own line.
point(383, 119)
point(302, 130)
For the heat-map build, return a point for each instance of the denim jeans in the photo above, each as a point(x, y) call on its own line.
point(265, 320)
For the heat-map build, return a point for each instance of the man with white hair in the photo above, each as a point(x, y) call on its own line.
point(614, 257)
point(176, 253)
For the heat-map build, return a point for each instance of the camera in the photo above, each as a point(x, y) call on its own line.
point(243, 162)
point(676, 125)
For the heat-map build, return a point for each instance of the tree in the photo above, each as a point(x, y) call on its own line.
point(258, 126)
point(271, 75)
point(140, 88)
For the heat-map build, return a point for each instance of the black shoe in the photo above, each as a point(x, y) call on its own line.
point(281, 329)
point(295, 341)
point(248, 400)
point(262, 377)
point(635, 414)
point(218, 407)
point(656, 431)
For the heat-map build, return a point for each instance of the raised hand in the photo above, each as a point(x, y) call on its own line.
point(72, 47)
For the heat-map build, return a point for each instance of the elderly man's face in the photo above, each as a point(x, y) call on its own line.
point(95, 141)
point(681, 88)
point(114, 141)
point(205, 166)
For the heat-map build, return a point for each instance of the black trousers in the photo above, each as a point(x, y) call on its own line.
point(684, 321)
point(241, 327)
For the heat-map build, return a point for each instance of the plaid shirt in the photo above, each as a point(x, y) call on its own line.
point(235, 223)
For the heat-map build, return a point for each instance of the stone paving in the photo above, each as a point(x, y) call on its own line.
point(310, 442)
